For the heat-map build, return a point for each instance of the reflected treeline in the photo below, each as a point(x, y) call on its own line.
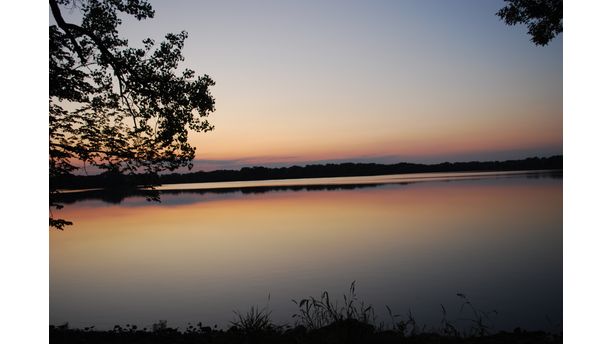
point(551, 174)
point(117, 196)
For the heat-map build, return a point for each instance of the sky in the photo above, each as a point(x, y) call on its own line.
point(302, 82)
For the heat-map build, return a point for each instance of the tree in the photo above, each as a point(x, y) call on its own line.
point(544, 18)
point(122, 109)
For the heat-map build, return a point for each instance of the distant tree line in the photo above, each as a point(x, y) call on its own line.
point(110, 180)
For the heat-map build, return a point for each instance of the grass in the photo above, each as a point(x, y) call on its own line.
point(255, 320)
point(315, 313)
point(319, 320)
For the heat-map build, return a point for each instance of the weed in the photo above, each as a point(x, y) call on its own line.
point(481, 321)
point(447, 327)
point(315, 313)
point(255, 320)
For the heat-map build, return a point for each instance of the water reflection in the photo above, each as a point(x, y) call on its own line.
point(199, 254)
point(310, 184)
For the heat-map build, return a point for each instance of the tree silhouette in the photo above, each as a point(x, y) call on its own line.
point(544, 18)
point(122, 109)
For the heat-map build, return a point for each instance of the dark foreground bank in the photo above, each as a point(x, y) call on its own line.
point(345, 331)
point(319, 320)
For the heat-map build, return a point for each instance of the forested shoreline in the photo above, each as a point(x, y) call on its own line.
point(110, 180)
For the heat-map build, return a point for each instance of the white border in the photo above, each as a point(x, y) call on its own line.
point(587, 164)
point(24, 246)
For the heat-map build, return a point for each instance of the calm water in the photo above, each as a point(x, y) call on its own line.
point(411, 242)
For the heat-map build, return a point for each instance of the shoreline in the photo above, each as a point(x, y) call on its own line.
point(258, 173)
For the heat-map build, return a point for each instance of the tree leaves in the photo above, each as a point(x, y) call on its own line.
point(544, 18)
point(120, 108)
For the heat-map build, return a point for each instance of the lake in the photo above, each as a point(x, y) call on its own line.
point(411, 242)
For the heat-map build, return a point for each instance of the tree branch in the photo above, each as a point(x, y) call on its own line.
point(69, 27)
point(57, 15)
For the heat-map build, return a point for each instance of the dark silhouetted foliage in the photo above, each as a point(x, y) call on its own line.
point(122, 109)
point(544, 18)
point(341, 332)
